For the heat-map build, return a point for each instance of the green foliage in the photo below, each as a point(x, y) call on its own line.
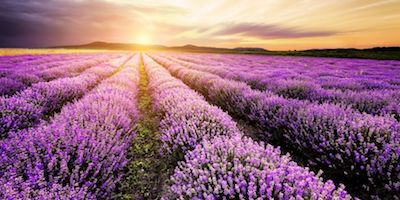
point(147, 172)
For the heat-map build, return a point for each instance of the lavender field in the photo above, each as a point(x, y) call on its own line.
point(163, 125)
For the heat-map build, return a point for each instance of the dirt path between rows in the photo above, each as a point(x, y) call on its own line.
point(148, 172)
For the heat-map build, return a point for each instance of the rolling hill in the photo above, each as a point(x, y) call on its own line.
point(380, 53)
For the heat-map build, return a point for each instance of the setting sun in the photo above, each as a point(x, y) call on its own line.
point(143, 39)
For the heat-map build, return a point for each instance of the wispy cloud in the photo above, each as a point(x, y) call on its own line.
point(372, 5)
point(268, 31)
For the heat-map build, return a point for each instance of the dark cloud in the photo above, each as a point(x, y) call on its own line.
point(267, 31)
point(40, 23)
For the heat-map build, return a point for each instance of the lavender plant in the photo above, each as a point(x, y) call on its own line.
point(27, 108)
point(360, 147)
point(81, 152)
point(223, 165)
point(239, 168)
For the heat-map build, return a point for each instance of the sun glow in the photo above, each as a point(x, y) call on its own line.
point(143, 39)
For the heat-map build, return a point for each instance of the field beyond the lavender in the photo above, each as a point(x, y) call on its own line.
point(82, 124)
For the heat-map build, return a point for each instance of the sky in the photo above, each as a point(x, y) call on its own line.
point(270, 24)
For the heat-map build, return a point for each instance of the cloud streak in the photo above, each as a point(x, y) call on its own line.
point(268, 31)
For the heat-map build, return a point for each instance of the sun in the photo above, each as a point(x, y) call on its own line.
point(143, 39)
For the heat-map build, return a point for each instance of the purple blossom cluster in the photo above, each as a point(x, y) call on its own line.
point(11, 64)
point(34, 59)
point(186, 117)
point(17, 76)
point(10, 86)
point(363, 148)
point(220, 163)
point(23, 63)
point(81, 152)
point(239, 168)
point(73, 67)
point(28, 107)
point(353, 74)
point(338, 85)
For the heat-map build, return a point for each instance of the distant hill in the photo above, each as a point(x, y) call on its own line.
point(132, 46)
point(381, 53)
point(387, 49)
point(114, 46)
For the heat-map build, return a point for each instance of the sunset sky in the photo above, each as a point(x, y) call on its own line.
point(271, 24)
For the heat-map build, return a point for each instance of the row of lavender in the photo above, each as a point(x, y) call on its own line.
point(16, 76)
point(11, 61)
point(7, 63)
point(48, 62)
point(29, 107)
point(220, 163)
point(372, 93)
point(359, 148)
point(81, 152)
point(343, 74)
point(10, 64)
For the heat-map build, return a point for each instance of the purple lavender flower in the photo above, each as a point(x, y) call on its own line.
point(239, 168)
point(27, 108)
point(328, 134)
point(81, 152)
point(10, 86)
point(186, 117)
